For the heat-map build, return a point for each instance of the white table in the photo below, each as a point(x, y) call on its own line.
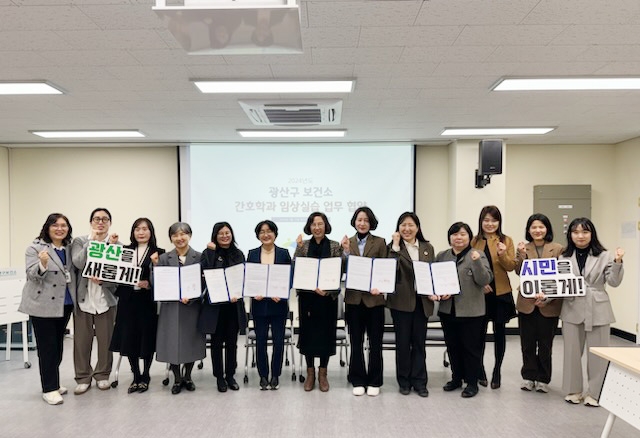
point(621, 390)
point(10, 296)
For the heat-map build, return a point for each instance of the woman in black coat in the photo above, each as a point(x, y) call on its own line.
point(223, 320)
point(134, 334)
point(317, 309)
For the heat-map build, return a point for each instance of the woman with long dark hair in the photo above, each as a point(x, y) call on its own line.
point(499, 250)
point(409, 310)
point(48, 297)
point(587, 319)
point(538, 316)
point(223, 320)
point(134, 334)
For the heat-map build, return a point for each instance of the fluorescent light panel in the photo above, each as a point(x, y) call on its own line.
point(291, 134)
point(89, 134)
point(275, 86)
point(495, 131)
point(39, 87)
point(554, 84)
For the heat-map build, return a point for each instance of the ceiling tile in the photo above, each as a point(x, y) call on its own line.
point(454, 12)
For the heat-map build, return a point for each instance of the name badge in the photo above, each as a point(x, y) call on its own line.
point(67, 276)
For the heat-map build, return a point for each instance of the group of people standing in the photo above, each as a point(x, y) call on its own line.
point(125, 318)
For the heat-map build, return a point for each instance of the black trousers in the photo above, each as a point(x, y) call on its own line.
point(370, 320)
point(464, 337)
point(411, 354)
point(262, 324)
point(226, 335)
point(536, 338)
point(49, 333)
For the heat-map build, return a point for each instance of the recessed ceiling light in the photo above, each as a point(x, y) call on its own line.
point(577, 83)
point(496, 131)
point(28, 87)
point(292, 134)
point(89, 134)
point(275, 86)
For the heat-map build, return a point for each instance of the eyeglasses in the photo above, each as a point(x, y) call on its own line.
point(265, 232)
point(60, 227)
point(97, 220)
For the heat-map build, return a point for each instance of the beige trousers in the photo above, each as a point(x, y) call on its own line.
point(84, 327)
point(575, 337)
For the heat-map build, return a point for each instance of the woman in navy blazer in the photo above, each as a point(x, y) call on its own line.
point(269, 312)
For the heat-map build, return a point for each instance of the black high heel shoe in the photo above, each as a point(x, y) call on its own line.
point(482, 380)
point(495, 380)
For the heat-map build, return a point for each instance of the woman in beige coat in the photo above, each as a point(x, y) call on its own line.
point(499, 250)
point(537, 317)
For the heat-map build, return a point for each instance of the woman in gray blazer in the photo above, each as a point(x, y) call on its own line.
point(588, 318)
point(178, 340)
point(462, 315)
point(48, 297)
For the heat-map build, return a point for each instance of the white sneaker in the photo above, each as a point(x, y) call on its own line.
point(81, 388)
point(373, 391)
point(358, 390)
point(53, 398)
point(62, 390)
point(103, 384)
point(590, 401)
point(575, 399)
point(542, 387)
point(527, 385)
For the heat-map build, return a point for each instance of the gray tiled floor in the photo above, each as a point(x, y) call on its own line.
point(290, 412)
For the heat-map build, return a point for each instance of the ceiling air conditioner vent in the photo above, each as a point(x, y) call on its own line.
point(317, 112)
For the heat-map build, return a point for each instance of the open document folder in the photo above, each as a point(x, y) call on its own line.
point(267, 280)
point(366, 273)
point(312, 274)
point(173, 283)
point(438, 278)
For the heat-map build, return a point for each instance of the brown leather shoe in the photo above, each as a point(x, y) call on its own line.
point(323, 383)
point(310, 381)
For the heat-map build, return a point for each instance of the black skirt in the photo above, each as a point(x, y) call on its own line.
point(318, 321)
point(134, 334)
point(500, 308)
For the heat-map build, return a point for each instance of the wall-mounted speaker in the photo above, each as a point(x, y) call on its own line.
point(490, 157)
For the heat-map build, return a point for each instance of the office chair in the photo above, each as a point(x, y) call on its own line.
point(250, 343)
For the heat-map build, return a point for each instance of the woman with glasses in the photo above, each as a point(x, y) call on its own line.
point(587, 319)
point(269, 313)
point(179, 342)
point(134, 335)
point(223, 320)
point(499, 250)
point(317, 309)
point(48, 298)
point(95, 311)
